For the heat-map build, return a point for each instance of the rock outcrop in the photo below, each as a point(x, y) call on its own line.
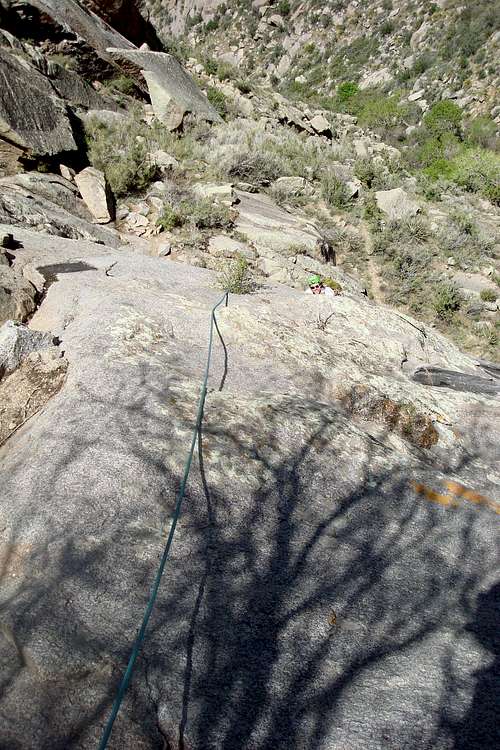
point(172, 90)
point(32, 118)
point(287, 482)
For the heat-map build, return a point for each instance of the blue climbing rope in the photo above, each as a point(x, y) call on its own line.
point(156, 585)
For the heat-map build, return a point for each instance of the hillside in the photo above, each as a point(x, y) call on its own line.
point(332, 582)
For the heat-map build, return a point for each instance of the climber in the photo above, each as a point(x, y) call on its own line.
point(316, 286)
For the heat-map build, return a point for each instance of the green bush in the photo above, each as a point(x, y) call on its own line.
point(252, 166)
point(443, 118)
point(334, 191)
point(170, 218)
point(123, 84)
point(210, 66)
point(478, 170)
point(205, 214)
point(235, 277)
point(218, 100)
point(447, 301)
point(481, 131)
point(212, 25)
point(387, 28)
point(122, 153)
point(345, 91)
point(488, 295)
point(284, 7)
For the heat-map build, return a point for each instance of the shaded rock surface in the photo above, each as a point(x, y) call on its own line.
point(28, 388)
point(17, 342)
point(320, 568)
point(32, 118)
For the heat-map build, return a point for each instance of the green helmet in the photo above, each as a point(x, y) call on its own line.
point(313, 280)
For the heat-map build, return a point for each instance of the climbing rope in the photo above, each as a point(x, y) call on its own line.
point(180, 496)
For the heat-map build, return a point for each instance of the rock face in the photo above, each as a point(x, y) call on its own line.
point(17, 295)
point(16, 343)
point(173, 92)
point(31, 116)
point(314, 552)
point(25, 206)
point(23, 393)
point(396, 203)
point(96, 32)
point(97, 194)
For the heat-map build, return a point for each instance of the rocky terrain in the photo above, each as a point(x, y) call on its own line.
point(332, 581)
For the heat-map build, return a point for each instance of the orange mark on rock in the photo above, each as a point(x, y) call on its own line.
point(472, 497)
point(435, 497)
point(455, 492)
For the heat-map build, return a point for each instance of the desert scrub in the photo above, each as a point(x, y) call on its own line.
point(489, 295)
point(461, 238)
point(334, 191)
point(122, 152)
point(218, 100)
point(284, 196)
point(447, 301)
point(235, 277)
point(200, 213)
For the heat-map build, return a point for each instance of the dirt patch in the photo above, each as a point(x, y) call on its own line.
point(400, 417)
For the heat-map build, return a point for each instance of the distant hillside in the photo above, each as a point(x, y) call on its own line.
point(445, 49)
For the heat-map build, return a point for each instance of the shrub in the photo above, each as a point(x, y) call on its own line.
point(284, 7)
point(212, 25)
point(235, 277)
point(345, 91)
point(447, 301)
point(121, 152)
point(387, 28)
point(334, 191)
point(170, 218)
point(488, 295)
point(478, 170)
point(481, 131)
point(257, 168)
point(205, 214)
point(123, 84)
point(218, 100)
point(442, 118)
point(210, 66)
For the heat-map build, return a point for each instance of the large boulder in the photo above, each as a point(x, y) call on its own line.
point(17, 342)
point(173, 92)
point(396, 204)
point(32, 118)
point(97, 194)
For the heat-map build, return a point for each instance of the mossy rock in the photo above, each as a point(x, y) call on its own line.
point(334, 285)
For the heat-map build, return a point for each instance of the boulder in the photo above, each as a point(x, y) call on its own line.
point(49, 187)
point(32, 118)
point(416, 95)
point(225, 247)
point(221, 193)
point(294, 185)
point(17, 342)
point(396, 204)
point(377, 78)
point(320, 125)
point(97, 194)
point(74, 89)
point(173, 92)
point(163, 161)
